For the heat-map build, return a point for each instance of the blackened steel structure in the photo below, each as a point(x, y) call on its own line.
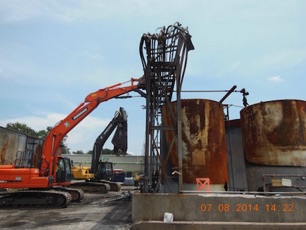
point(164, 59)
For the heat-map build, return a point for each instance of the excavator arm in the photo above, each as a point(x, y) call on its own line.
point(56, 135)
point(120, 118)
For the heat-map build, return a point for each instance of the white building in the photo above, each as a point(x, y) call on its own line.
point(126, 163)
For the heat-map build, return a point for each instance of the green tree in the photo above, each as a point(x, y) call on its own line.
point(107, 152)
point(43, 133)
point(65, 149)
point(89, 152)
point(23, 128)
point(78, 152)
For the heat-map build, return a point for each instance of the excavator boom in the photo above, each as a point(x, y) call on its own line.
point(56, 135)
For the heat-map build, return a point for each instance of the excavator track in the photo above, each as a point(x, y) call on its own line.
point(34, 199)
point(114, 186)
point(91, 187)
point(76, 194)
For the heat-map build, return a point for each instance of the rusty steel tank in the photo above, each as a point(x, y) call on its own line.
point(15, 145)
point(274, 133)
point(203, 136)
point(10, 143)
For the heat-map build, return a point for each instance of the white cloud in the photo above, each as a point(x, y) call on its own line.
point(17, 11)
point(14, 11)
point(234, 66)
point(81, 10)
point(91, 55)
point(275, 79)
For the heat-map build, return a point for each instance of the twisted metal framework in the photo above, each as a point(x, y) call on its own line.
point(164, 67)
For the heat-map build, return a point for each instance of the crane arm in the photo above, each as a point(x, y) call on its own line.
point(56, 135)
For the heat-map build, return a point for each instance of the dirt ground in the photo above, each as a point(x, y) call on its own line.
point(95, 211)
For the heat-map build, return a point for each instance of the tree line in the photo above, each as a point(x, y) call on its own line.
point(23, 128)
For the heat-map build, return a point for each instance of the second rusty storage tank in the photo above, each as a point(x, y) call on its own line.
point(19, 148)
point(10, 143)
point(274, 132)
point(203, 136)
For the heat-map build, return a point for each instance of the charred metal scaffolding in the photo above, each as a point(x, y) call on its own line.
point(164, 59)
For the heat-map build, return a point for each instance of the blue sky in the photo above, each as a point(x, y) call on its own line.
point(54, 53)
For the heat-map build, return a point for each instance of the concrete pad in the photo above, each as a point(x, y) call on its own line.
point(219, 208)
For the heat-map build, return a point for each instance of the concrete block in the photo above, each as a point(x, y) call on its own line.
point(219, 207)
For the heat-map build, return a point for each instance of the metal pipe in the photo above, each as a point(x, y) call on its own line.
point(228, 93)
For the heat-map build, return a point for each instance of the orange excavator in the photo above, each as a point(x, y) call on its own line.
point(47, 184)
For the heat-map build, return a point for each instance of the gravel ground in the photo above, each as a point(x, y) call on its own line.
point(95, 211)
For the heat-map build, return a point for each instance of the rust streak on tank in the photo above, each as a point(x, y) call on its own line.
point(203, 134)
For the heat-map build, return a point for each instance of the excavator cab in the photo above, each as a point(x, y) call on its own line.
point(105, 171)
point(63, 170)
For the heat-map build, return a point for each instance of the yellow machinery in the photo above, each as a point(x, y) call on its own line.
point(82, 172)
